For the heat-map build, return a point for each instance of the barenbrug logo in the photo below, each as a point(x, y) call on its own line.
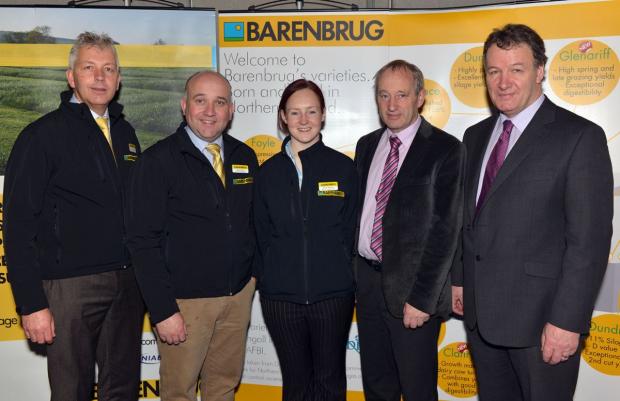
point(233, 31)
point(299, 31)
point(147, 389)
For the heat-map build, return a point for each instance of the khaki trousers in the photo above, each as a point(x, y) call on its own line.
point(214, 351)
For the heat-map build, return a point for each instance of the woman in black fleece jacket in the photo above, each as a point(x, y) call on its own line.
point(305, 210)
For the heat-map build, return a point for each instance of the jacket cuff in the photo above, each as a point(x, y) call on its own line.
point(422, 303)
point(163, 312)
point(29, 298)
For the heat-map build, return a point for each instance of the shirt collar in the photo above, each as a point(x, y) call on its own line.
point(289, 150)
point(521, 120)
point(406, 135)
point(74, 99)
point(200, 143)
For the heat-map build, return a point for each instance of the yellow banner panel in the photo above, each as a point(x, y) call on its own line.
point(10, 324)
point(164, 56)
point(550, 21)
point(307, 30)
point(408, 29)
point(29, 55)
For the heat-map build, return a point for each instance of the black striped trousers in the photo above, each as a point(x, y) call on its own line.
point(310, 340)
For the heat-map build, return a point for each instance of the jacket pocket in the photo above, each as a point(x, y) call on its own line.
point(544, 270)
point(415, 181)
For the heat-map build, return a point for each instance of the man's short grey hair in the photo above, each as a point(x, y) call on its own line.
point(90, 39)
point(416, 73)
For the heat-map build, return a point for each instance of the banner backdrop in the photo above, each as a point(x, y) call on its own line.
point(158, 49)
point(261, 53)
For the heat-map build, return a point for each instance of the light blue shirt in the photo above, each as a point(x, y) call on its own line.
point(201, 144)
point(520, 123)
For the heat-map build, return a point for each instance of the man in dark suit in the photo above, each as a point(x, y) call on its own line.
point(537, 229)
point(411, 175)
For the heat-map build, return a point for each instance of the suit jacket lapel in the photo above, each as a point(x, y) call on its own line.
point(476, 157)
point(526, 143)
point(416, 152)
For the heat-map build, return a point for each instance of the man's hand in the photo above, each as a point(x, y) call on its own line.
point(172, 330)
point(557, 344)
point(414, 317)
point(457, 300)
point(39, 326)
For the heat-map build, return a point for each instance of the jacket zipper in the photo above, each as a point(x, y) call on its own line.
point(229, 228)
point(305, 246)
point(304, 215)
point(230, 273)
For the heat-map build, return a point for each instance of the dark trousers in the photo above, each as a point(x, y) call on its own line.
point(520, 374)
point(311, 344)
point(395, 360)
point(98, 319)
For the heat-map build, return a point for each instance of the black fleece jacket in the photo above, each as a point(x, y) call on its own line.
point(305, 236)
point(64, 198)
point(189, 236)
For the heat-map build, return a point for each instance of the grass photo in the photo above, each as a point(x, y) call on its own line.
point(150, 95)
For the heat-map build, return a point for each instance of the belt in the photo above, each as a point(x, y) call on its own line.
point(375, 264)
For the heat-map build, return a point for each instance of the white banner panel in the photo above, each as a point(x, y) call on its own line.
point(261, 53)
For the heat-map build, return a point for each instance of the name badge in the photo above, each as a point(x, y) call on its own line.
point(240, 168)
point(130, 158)
point(339, 194)
point(328, 186)
point(242, 181)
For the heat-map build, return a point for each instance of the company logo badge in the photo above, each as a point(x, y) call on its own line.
point(585, 46)
point(233, 32)
point(327, 30)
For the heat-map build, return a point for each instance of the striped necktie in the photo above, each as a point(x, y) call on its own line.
point(383, 195)
point(496, 159)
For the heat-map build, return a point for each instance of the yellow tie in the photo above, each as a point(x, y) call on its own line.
point(218, 166)
point(102, 122)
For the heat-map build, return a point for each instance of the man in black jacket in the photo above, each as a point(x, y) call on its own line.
point(64, 232)
point(192, 241)
point(412, 183)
